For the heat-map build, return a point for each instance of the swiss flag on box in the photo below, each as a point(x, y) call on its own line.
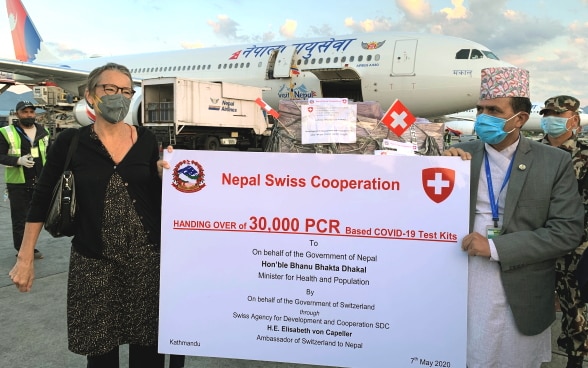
point(398, 118)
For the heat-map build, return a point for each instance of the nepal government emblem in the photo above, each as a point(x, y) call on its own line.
point(188, 176)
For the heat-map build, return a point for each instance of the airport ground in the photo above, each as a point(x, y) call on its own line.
point(33, 325)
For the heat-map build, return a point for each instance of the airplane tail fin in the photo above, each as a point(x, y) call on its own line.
point(27, 42)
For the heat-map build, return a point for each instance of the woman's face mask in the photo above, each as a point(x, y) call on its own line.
point(113, 108)
point(490, 128)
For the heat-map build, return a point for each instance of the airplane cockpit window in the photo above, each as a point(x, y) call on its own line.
point(490, 55)
point(476, 54)
point(463, 54)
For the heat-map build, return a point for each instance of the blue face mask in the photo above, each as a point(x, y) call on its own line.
point(554, 126)
point(490, 128)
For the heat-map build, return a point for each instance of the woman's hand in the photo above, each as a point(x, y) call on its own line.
point(23, 274)
point(162, 164)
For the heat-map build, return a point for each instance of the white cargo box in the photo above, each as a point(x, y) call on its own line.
point(192, 103)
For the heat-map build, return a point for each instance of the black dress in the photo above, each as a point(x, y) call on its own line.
point(114, 300)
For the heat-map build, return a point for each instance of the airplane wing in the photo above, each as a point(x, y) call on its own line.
point(42, 71)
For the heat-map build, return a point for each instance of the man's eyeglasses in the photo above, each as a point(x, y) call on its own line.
point(112, 89)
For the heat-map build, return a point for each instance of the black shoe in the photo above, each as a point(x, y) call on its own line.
point(575, 361)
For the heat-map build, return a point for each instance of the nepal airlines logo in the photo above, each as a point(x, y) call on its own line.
point(188, 176)
point(438, 183)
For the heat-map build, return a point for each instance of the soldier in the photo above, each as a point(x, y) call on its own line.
point(23, 146)
point(561, 123)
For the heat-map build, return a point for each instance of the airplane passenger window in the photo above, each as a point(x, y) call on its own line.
point(224, 66)
point(299, 61)
point(351, 58)
point(320, 60)
point(313, 61)
point(242, 65)
point(336, 59)
point(463, 54)
point(248, 64)
point(230, 66)
point(476, 54)
point(260, 64)
point(377, 57)
point(369, 58)
point(360, 58)
point(343, 59)
point(328, 61)
point(305, 61)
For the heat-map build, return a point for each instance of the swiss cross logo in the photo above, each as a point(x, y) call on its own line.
point(398, 118)
point(438, 183)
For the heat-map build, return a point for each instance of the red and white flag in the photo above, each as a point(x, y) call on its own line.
point(267, 108)
point(398, 118)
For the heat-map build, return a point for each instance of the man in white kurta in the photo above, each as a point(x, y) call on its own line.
point(525, 212)
point(492, 327)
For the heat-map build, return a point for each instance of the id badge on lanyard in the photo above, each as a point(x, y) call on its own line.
point(494, 230)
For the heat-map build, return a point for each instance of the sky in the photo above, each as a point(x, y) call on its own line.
point(549, 38)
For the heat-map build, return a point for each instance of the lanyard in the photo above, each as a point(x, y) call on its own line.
point(493, 201)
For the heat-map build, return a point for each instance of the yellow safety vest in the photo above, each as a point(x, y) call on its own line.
point(15, 174)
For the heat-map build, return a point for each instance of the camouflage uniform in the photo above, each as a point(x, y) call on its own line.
point(574, 328)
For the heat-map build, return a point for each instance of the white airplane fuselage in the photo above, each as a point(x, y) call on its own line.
point(431, 74)
point(420, 70)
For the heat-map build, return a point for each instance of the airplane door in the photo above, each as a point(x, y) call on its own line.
point(404, 57)
point(284, 62)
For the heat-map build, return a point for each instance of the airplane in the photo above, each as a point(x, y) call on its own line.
point(463, 122)
point(431, 74)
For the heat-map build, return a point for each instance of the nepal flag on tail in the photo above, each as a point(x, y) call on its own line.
point(398, 118)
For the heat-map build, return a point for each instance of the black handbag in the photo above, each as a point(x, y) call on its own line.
point(60, 219)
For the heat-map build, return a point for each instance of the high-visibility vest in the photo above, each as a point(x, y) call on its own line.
point(15, 174)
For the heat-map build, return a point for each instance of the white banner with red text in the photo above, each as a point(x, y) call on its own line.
point(337, 260)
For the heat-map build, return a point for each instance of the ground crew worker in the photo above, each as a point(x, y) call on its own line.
point(23, 147)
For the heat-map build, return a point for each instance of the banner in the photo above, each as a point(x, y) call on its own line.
point(338, 260)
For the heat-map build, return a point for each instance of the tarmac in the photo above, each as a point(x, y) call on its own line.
point(33, 331)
